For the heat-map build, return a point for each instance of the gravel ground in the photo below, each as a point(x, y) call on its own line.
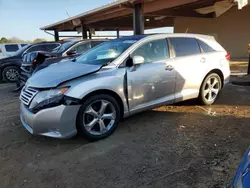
point(177, 146)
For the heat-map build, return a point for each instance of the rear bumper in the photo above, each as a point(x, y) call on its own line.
point(226, 80)
point(56, 122)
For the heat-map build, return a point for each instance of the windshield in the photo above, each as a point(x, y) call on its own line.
point(106, 52)
point(63, 47)
point(21, 50)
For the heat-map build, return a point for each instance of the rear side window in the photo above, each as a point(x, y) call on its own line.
point(205, 47)
point(11, 47)
point(185, 46)
point(153, 51)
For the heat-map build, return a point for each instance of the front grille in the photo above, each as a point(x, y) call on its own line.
point(27, 95)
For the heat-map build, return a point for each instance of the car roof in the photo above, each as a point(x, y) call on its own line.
point(133, 37)
point(188, 35)
point(158, 35)
point(3, 44)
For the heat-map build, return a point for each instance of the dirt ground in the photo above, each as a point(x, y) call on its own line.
point(179, 146)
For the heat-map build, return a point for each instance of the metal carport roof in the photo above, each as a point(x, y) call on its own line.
point(157, 13)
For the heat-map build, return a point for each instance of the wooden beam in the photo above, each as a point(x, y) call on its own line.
point(164, 4)
point(84, 31)
point(178, 13)
point(129, 24)
point(56, 35)
point(105, 17)
point(138, 19)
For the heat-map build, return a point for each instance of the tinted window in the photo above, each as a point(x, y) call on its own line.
point(95, 43)
point(11, 47)
point(64, 47)
point(153, 51)
point(83, 47)
point(21, 50)
point(35, 48)
point(185, 46)
point(205, 47)
point(50, 47)
point(23, 45)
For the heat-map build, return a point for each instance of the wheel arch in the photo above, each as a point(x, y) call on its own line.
point(108, 92)
point(217, 71)
point(5, 66)
point(8, 65)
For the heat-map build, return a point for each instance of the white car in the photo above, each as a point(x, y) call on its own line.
point(9, 49)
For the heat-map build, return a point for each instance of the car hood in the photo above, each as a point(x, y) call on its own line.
point(60, 72)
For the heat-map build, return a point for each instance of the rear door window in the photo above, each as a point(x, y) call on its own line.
point(205, 47)
point(11, 47)
point(185, 46)
point(153, 51)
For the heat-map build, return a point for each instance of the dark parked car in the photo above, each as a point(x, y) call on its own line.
point(10, 66)
point(67, 51)
point(242, 176)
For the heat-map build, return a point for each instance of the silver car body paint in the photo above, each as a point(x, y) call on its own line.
point(57, 122)
point(146, 89)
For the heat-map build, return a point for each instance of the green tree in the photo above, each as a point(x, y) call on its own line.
point(4, 40)
point(39, 40)
point(15, 40)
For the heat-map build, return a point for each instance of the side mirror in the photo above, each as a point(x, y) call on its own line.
point(71, 52)
point(137, 60)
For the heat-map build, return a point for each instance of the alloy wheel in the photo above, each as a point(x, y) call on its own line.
point(12, 75)
point(99, 117)
point(212, 88)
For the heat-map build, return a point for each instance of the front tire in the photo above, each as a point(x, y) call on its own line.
point(210, 89)
point(98, 117)
point(10, 74)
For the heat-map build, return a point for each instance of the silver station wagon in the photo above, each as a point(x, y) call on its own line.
point(119, 78)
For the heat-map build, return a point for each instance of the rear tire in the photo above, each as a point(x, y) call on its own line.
point(98, 117)
point(10, 74)
point(210, 89)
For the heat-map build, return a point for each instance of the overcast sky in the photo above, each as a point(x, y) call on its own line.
point(23, 18)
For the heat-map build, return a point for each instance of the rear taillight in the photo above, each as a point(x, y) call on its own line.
point(228, 56)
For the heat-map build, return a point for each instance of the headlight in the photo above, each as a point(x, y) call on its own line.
point(47, 98)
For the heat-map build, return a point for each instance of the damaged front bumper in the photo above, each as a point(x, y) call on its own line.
point(56, 122)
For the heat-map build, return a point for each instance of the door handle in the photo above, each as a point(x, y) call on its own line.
point(203, 60)
point(169, 68)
